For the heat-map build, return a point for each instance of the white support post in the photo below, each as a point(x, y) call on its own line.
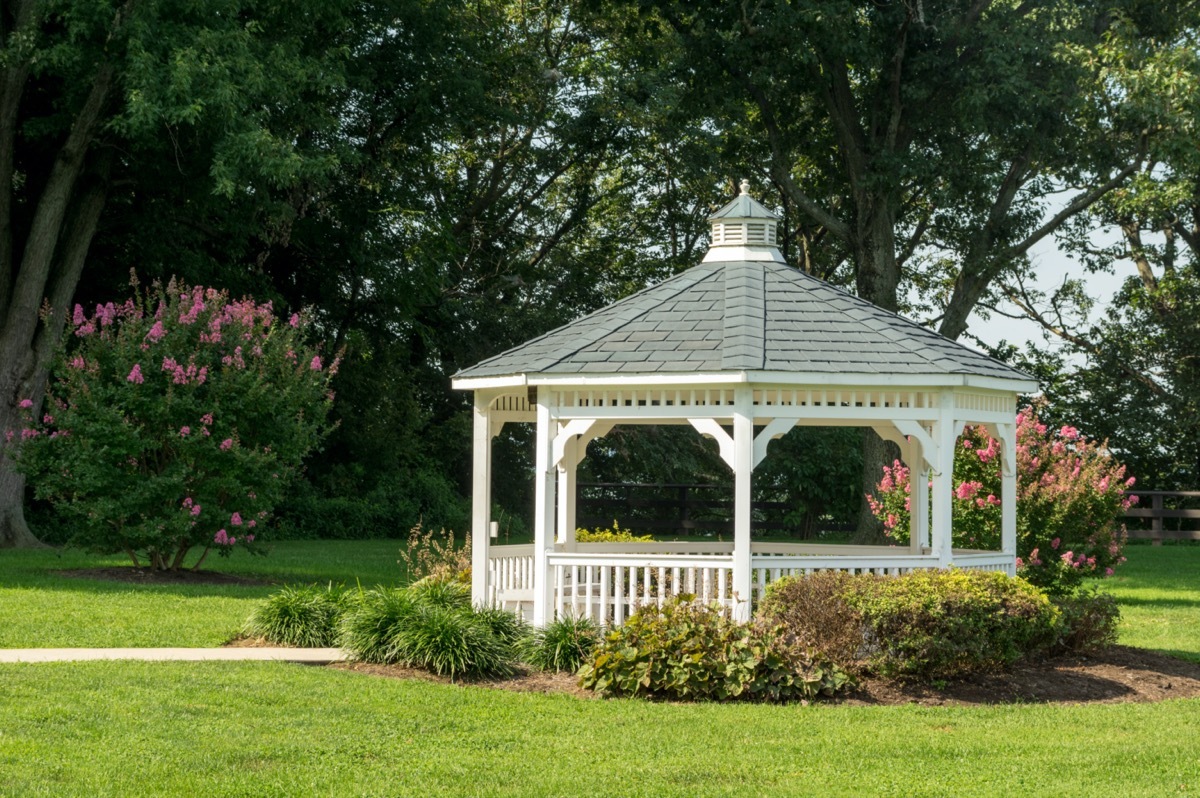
point(918, 496)
point(945, 433)
point(545, 479)
point(481, 499)
point(566, 494)
point(743, 451)
point(1008, 491)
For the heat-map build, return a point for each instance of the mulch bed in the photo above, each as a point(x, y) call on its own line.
point(1111, 676)
point(147, 576)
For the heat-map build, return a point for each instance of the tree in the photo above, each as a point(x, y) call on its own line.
point(98, 99)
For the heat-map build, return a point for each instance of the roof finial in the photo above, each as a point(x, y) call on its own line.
point(745, 186)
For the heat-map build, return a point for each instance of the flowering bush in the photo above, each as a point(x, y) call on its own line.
point(175, 421)
point(1070, 497)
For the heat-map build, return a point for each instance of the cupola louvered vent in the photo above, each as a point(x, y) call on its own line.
point(746, 225)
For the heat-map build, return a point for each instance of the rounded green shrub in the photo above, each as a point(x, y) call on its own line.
point(1087, 621)
point(949, 624)
point(304, 616)
point(563, 645)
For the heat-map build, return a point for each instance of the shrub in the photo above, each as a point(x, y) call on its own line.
point(614, 535)
point(306, 616)
point(948, 624)
point(435, 592)
point(812, 612)
point(369, 628)
point(685, 650)
point(507, 626)
point(1070, 498)
point(563, 645)
point(176, 421)
point(1087, 621)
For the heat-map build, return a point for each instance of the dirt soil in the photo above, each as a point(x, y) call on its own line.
point(147, 576)
point(1114, 675)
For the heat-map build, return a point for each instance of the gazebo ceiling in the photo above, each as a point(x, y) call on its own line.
point(745, 310)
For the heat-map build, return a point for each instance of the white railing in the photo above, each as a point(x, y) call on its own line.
point(608, 587)
point(606, 582)
point(511, 578)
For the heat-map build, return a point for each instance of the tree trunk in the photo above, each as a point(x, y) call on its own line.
point(877, 279)
point(14, 532)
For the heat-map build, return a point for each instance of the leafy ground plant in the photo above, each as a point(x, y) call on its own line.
point(305, 616)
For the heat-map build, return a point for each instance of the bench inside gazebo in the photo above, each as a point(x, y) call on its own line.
point(740, 347)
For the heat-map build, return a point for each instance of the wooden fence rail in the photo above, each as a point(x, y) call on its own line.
point(1167, 514)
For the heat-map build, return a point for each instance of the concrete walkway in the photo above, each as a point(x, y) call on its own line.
point(308, 656)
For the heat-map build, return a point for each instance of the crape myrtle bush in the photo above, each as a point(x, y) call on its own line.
point(176, 421)
point(685, 650)
point(1070, 498)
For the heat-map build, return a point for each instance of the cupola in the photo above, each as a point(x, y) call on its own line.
point(744, 230)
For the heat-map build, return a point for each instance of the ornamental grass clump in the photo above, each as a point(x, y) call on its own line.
point(563, 645)
point(1071, 495)
point(305, 616)
point(175, 422)
point(432, 625)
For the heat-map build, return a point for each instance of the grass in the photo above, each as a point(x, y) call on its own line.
point(1159, 593)
point(268, 729)
point(133, 728)
point(40, 609)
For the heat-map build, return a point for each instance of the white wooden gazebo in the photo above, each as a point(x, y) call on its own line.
point(742, 347)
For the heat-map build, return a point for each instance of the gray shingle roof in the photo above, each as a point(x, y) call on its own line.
point(742, 316)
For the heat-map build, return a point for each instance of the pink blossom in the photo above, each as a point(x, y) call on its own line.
point(250, 538)
point(1070, 433)
point(47, 418)
point(294, 321)
point(968, 489)
point(226, 444)
point(1054, 544)
point(184, 431)
point(315, 365)
point(196, 510)
point(236, 519)
point(206, 419)
point(78, 318)
point(221, 538)
point(251, 523)
point(1108, 572)
point(77, 362)
point(25, 404)
point(187, 501)
point(156, 333)
point(83, 331)
point(1020, 563)
point(135, 374)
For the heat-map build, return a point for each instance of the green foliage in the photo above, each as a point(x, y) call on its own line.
point(933, 625)
point(1087, 620)
point(812, 612)
point(1070, 499)
point(564, 644)
point(176, 420)
point(613, 535)
point(452, 642)
point(369, 628)
point(432, 625)
point(687, 651)
point(305, 616)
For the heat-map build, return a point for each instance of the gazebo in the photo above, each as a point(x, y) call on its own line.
point(741, 347)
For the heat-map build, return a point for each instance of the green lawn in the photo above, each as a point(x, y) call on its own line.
point(1159, 593)
point(39, 609)
point(130, 728)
